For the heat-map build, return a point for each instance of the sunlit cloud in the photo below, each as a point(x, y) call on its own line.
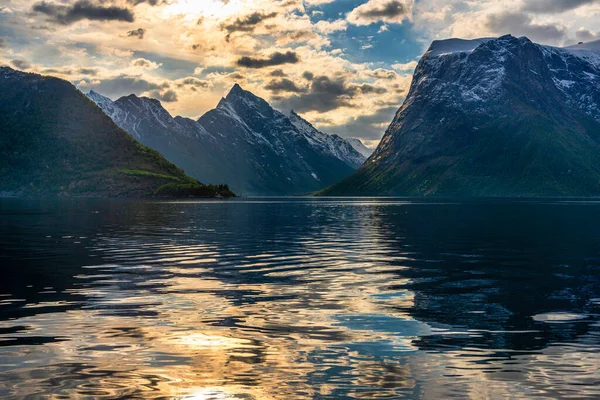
point(267, 46)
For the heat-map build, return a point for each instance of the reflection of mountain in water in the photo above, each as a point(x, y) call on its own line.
point(294, 298)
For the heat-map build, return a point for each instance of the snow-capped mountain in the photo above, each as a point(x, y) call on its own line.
point(360, 147)
point(327, 143)
point(494, 116)
point(243, 141)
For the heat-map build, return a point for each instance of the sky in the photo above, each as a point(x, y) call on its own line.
point(344, 65)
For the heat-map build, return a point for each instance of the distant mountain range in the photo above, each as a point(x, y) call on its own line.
point(360, 147)
point(54, 141)
point(243, 141)
point(492, 117)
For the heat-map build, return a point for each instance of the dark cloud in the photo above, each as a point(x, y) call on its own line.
point(554, 6)
point(87, 71)
point(369, 127)
point(366, 88)
point(149, 2)
point(390, 9)
point(278, 72)
point(2, 43)
point(521, 24)
point(236, 76)
point(247, 23)
point(308, 75)
point(138, 33)
point(381, 73)
point(326, 94)
point(69, 71)
point(299, 36)
point(276, 58)
point(124, 85)
point(20, 64)
point(168, 96)
point(585, 35)
point(284, 85)
point(191, 81)
point(80, 10)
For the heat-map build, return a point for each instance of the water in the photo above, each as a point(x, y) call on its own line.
point(300, 299)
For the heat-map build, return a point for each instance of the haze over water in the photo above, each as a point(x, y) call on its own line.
point(300, 298)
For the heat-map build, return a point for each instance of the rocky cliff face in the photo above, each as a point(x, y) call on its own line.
point(243, 141)
point(492, 117)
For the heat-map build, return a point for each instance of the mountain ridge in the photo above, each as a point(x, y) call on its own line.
point(243, 141)
point(496, 117)
point(55, 141)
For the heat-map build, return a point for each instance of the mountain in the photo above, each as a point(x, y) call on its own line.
point(54, 141)
point(243, 141)
point(492, 117)
point(360, 147)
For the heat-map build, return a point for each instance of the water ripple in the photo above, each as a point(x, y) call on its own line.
point(300, 298)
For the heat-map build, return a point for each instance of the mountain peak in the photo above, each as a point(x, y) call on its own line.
point(236, 91)
point(472, 109)
point(243, 101)
point(455, 45)
point(98, 98)
point(141, 100)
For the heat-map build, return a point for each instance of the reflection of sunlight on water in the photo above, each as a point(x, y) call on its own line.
point(330, 311)
point(201, 340)
point(210, 394)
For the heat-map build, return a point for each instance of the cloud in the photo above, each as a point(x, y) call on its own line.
point(309, 76)
point(277, 72)
point(388, 11)
point(327, 27)
point(381, 73)
point(369, 127)
point(247, 23)
point(69, 71)
point(138, 33)
point(168, 96)
point(406, 67)
point(145, 64)
point(2, 43)
point(522, 25)
point(80, 10)
point(149, 2)
point(87, 71)
point(284, 85)
point(20, 64)
point(586, 35)
point(326, 94)
point(123, 85)
point(276, 58)
point(193, 83)
point(554, 6)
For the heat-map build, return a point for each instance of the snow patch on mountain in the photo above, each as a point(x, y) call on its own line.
point(449, 46)
point(360, 147)
point(475, 71)
point(243, 141)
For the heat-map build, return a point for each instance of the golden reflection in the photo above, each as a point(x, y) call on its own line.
point(261, 326)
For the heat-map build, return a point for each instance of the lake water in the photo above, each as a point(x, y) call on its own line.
point(300, 299)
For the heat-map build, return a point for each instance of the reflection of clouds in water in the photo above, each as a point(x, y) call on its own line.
point(340, 309)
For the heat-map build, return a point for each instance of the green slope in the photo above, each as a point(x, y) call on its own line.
point(55, 141)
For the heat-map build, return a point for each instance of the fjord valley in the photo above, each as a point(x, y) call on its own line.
point(54, 141)
point(492, 117)
point(243, 141)
point(299, 199)
point(483, 117)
